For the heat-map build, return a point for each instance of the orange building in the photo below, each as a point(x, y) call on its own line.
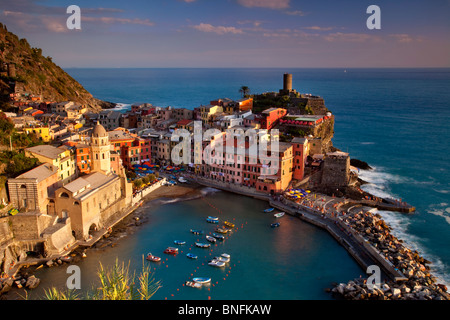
point(301, 150)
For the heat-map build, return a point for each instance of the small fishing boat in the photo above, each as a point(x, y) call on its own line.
point(228, 224)
point(171, 250)
point(225, 255)
point(153, 258)
point(193, 284)
point(191, 256)
point(202, 280)
point(221, 230)
point(179, 242)
point(275, 225)
point(222, 259)
point(211, 239)
point(268, 210)
point(216, 263)
point(218, 236)
point(196, 231)
point(278, 215)
point(202, 245)
point(211, 220)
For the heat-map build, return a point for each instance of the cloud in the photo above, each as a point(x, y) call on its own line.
point(296, 13)
point(350, 37)
point(270, 4)
point(206, 27)
point(404, 38)
point(317, 28)
point(112, 20)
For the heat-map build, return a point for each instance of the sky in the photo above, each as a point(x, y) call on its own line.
point(235, 33)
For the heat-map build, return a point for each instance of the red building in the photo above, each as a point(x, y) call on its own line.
point(300, 149)
point(269, 118)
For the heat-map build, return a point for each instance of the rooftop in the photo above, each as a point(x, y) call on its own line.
point(46, 151)
point(40, 173)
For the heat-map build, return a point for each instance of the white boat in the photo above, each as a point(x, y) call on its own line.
point(202, 280)
point(216, 263)
point(278, 215)
point(222, 259)
point(226, 255)
point(211, 239)
point(193, 284)
point(182, 180)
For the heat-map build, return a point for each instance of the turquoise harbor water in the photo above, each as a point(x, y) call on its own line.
point(395, 119)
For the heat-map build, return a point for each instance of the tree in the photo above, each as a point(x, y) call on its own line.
point(244, 90)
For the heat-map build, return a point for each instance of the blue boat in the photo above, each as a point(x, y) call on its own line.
point(196, 231)
point(275, 225)
point(212, 220)
point(180, 242)
point(218, 236)
point(202, 245)
point(269, 210)
point(191, 256)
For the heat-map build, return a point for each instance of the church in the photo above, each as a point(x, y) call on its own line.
point(95, 199)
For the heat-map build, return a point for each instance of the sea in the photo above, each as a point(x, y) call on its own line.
point(397, 120)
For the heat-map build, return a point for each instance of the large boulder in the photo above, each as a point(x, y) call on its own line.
point(32, 282)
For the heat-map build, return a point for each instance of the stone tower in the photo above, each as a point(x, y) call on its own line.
point(100, 148)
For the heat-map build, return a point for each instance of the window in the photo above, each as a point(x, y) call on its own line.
point(64, 195)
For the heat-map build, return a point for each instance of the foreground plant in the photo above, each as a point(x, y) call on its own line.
point(116, 283)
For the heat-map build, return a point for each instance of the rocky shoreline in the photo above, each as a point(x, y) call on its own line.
point(420, 283)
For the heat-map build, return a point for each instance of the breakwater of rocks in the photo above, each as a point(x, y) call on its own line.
point(419, 283)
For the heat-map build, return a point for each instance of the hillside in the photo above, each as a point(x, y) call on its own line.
point(24, 69)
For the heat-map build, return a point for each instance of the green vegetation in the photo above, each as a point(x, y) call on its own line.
point(265, 101)
point(244, 90)
point(116, 283)
point(16, 163)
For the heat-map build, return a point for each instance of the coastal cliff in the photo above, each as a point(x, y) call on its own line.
point(24, 69)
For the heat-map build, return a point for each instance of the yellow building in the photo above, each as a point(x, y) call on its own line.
point(41, 132)
point(62, 157)
point(206, 112)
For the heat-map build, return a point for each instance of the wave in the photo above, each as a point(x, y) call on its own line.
point(379, 183)
point(122, 107)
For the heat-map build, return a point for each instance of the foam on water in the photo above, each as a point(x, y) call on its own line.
point(379, 185)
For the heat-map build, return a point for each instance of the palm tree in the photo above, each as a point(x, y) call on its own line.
point(244, 90)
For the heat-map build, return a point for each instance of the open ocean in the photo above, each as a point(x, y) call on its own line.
point(397, 120)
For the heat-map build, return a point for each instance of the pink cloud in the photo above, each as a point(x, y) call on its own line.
point(271, 4)
point(206, 27)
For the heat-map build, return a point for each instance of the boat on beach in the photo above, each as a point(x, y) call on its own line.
point(171, 250)
point(153, 258)
point(278, 215)
point(268, 210)
point(211, 239)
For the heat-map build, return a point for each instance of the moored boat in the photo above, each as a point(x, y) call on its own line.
point(171, 250)
point(211, 239)
point(212, 220)
point(228, 224)
point(268, 210)
point(275, 225)
point(202, 280)
point(278, 215)
point(191, 256)
point(193, 284)
point(153, 258)
point(216, 263)
point(221, 230)
point(218, 236)
point(179, 242)
point(202, 245)
point(194, 231)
